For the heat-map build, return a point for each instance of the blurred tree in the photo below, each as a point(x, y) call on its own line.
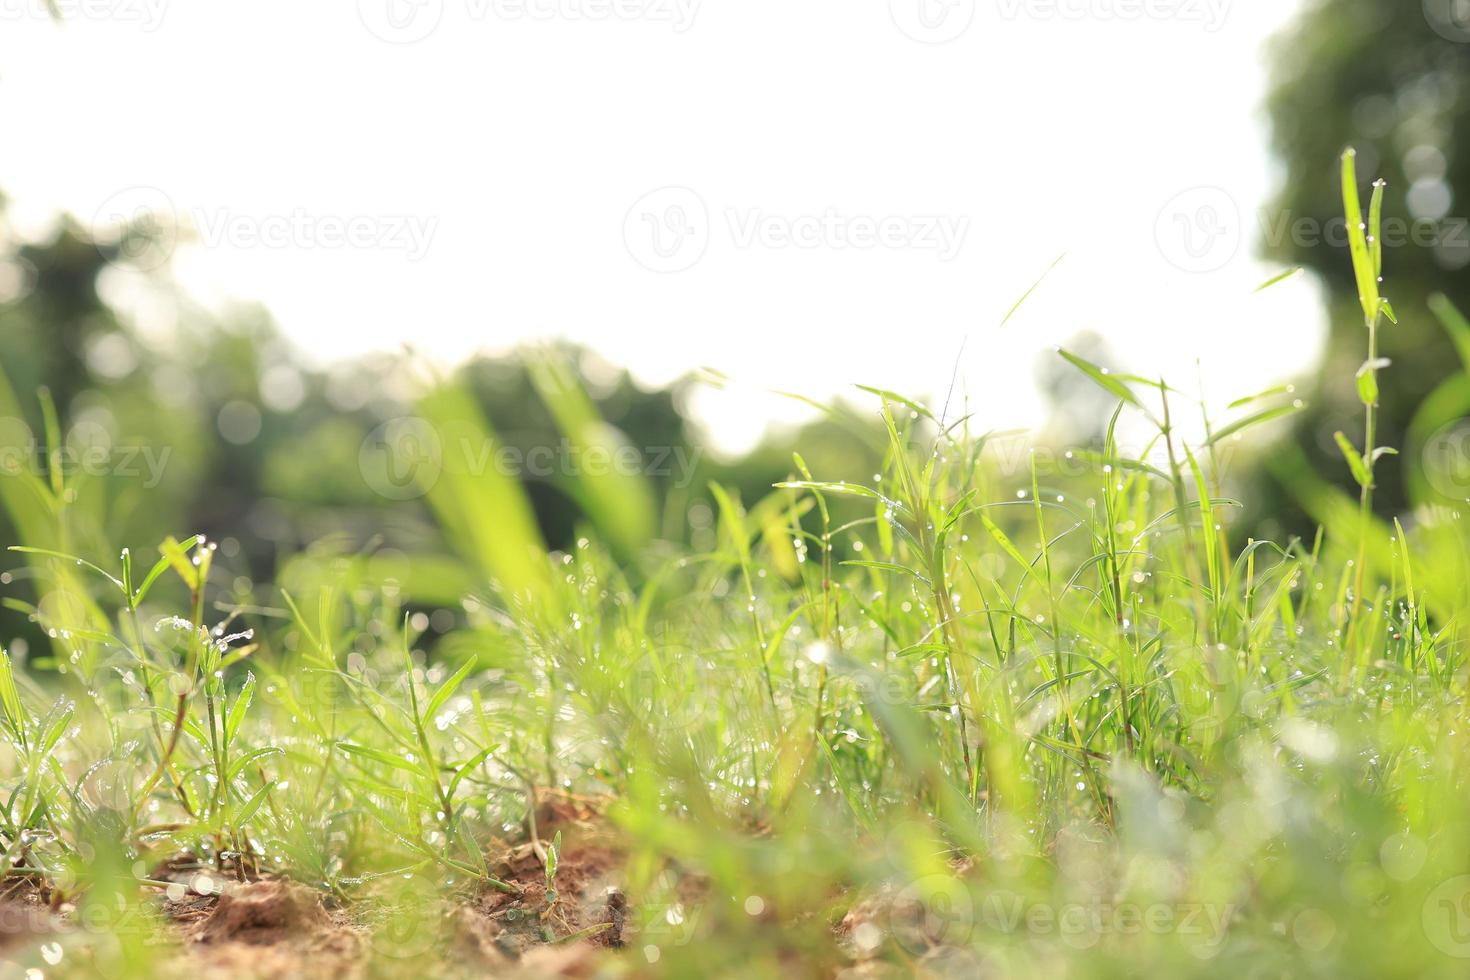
point(212, 423)
point(1392, 78)
point(1079, 411)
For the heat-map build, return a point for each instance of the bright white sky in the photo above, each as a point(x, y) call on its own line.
point(520, 149)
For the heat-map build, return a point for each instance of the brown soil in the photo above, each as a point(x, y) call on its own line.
point(558, 934)
point(270, 927)
point(267, 928)
point(25, 918)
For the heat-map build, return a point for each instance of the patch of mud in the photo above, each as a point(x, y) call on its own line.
point(558, 933)
point(926, 926)
point(261, 913)
point(25, 919)
point(267, 928)
point(218, 922)
point(586, 900)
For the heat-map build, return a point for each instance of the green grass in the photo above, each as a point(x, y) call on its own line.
point(1049, 723)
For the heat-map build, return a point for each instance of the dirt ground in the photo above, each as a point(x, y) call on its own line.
point(269, 927)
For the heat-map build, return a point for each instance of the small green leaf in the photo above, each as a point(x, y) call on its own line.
point(1382, 451)
point(1375, 229)
point(908, 403)
point(56, 730)
point(446, 691)
point(250, 806)
point(732, 516)
point(1368, 388)
point(9, 693)
point(553, 855)
point(888, 566)
point(237, 710)
point(850, 489)
point(1250, 421)
point(363, 752)
point(1101, 377)
point(1354, 460)
point(176, 554)
point(1003, 541)
point(464, 770)
point(1282, 277)
point(1367, 378)
point(1364, 269)
point(240, 764)
point(158, 569)
point(65, 557)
